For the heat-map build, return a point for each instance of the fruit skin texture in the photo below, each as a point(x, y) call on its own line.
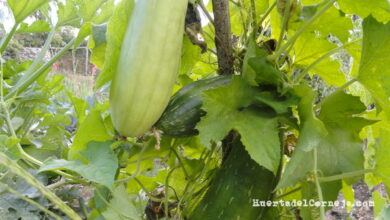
point(233, 188)
point(184, 109)
point(148, 65)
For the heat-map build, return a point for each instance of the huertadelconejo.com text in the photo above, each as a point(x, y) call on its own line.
point(310, 203)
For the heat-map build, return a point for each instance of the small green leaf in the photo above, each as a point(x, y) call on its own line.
point(100, 164)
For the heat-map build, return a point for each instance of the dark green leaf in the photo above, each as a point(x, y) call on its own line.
point(227, 109)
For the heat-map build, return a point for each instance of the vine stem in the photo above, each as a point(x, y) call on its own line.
point(317, 182)
point(254, 15)
point(7, 38)
point(41, 54)
point(32, 202)
point(286, 15)
point(15, 168)
point(328, 54)
point(344, 175)
point(292, 40)
point(350, 82)
point(166, 200)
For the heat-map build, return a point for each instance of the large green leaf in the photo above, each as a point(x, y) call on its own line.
point(340, 150)
point(115, 32)
point(100, 164)
point(23, 8)
point(227, 109)
point(374, 71)
point(379, 9)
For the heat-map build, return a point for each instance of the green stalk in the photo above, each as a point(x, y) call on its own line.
point(317, 182)
point(4, 42)
point(286, 15)
point(21, 86)
point(292, 40)
point(15, 168)
point(32, 202)
point(254, 15)
point(41, 54)
point(344, 175)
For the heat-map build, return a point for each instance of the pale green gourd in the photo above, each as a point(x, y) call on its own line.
point(148, 65)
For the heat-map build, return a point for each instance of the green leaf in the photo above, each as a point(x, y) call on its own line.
point(348, 194)
point(227, 109)
point(332, 22)
point(92, 128)
point(380, 203)
point(84, 31)
point(68, 14)
point(115, 32)
point(374, 72)
point(88, 8)
point(311, 128)
point(80, 106)
point(257, 63)
point(379, 9)
point(340, 150)
point(308, 48)
point(100, 164)
point(382, 157)
point(105, 12)
point(121, 207)
point(189, 57)
point(23, 8)
point(38, 26)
